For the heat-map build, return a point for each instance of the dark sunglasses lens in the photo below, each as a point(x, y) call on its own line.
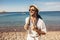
point(31, 10)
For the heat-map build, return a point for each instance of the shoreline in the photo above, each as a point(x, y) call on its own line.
point(12, 29)
point(21, 29)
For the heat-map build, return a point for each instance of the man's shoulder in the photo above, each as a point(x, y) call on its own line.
point(27, 18)
point(40, 20)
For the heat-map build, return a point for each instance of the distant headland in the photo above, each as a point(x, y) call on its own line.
point(2, 11)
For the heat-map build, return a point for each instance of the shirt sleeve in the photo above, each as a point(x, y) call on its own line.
point(26, 20)
point(41, 25)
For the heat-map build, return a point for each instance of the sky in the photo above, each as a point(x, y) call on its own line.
point(23, 5)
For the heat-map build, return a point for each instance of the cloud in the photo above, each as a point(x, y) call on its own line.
point(50, 6)
point(43, 6)
point(13, 8)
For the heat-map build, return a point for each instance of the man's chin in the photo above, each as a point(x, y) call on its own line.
point(32, 15)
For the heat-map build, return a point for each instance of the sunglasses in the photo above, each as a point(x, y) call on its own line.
point(32, 10)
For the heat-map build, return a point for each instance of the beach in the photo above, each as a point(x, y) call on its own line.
point(18, 33)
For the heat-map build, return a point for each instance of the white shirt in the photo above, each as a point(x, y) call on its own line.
point(40, 25)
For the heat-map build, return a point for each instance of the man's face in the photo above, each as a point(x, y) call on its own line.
point(32, 11)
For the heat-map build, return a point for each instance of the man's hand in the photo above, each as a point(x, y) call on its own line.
point(34, 28)
point(26, 27)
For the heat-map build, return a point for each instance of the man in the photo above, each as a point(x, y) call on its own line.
point(34, 24)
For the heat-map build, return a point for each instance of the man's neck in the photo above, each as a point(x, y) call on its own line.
point(33, 17)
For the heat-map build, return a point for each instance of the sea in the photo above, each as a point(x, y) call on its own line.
point(17, 19)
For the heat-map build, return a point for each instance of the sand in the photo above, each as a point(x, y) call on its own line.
point(52, 35)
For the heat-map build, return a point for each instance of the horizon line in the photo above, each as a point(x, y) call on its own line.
point(23, 11)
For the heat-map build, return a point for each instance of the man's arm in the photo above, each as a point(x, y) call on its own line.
point(26, 26)
point(43, 28)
